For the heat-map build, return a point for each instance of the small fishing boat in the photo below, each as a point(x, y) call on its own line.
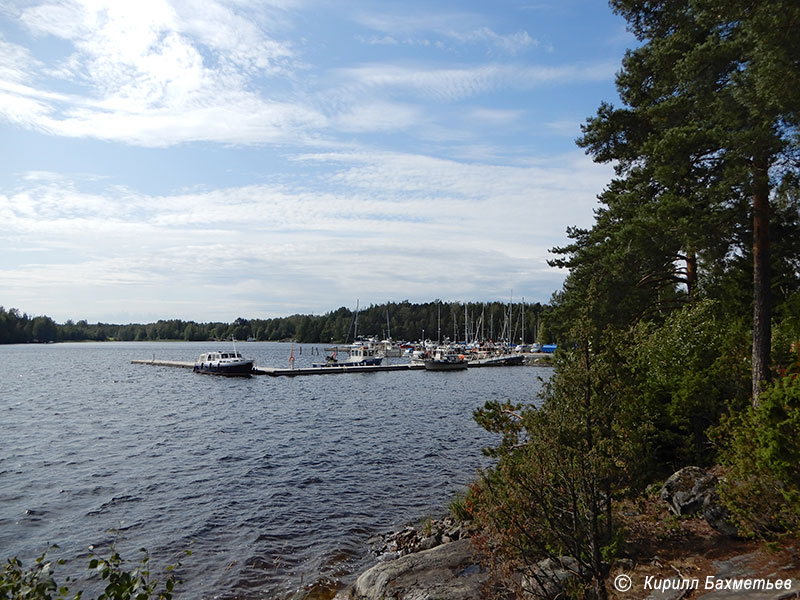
point(446, 359)
point(231, 364)
point(359, 356)
point(498, 360)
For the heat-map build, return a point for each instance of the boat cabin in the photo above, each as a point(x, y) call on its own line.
point(218, 356)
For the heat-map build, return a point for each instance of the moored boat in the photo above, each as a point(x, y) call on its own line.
point(364, 355)
point(446, 359)
point(498, 360)
point(231, 364)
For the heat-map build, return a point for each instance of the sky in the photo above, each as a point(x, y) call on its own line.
point(213, 159)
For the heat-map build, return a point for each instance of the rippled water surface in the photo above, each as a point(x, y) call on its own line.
point(274, 484)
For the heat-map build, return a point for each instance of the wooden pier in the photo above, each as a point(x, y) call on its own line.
point(277, 372)
point(334, 370)
point(164, 363)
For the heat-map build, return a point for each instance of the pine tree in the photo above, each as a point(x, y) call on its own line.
point(709, 119)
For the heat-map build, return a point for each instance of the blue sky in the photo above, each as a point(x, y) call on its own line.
point(210, 159)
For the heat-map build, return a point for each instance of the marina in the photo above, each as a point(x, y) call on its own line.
point(334, 370)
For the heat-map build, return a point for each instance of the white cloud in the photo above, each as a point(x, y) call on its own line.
point(15, 62)
point(373, 201)
point(495, 116)
point(565, 128)
point(154, 74)
point(439, 84)
point(389, 226)
point(375, 40)
point(163, 73)
point(454, 84)
point(461, 28)
point(512, 43)
point(379, 116)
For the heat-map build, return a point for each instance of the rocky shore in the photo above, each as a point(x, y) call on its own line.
point(679, 545)
point(433, 560)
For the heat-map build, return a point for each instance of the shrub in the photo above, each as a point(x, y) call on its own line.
point(38, 583)
point(687, 373)
point(560, 467)
point(760, 448)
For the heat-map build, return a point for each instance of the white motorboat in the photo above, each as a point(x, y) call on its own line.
point(224, 363)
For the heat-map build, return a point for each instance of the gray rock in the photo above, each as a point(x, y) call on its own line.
point(549, 578)
point(686, 490)
point(625, 564)
point(692, 490)
point(430, 542)
point(446, 572)
point(792, 593)
point(716, 515)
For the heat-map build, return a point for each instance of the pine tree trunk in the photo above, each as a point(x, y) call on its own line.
point(762, 303)
point(691, 273)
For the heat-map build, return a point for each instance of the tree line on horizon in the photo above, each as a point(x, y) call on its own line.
point(399, 320)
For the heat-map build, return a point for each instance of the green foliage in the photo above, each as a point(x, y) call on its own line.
point(761, 449)
point(38, 583)
point(687, 373)
point(706, 141)
point(460, 507)
point(669, 295)
point(561, 466)
point(503, 418)
point(35, 583)
point(17, 328)
point(786, 336)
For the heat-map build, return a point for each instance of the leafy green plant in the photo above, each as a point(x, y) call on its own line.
point(760, 448)
point(460, 507)
point(37, 582)
point(34, 583)
point(560, 468)
point(687, 372)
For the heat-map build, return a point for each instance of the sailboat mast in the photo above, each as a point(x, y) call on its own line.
point(439, 325)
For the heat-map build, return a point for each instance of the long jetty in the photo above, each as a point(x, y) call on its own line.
point(277, 372)
point(274, 372)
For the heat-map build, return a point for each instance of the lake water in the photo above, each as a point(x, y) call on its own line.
point(274, 484)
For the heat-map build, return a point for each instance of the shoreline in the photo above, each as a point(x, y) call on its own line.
point(664, 557)
point(433, 559)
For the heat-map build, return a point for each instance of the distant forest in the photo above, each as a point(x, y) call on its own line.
point(400, 320)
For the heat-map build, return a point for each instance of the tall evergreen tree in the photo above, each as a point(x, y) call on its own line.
point(707, 116)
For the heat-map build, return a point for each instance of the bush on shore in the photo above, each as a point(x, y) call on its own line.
point(38, 582)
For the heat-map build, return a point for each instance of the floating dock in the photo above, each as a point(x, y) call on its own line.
point(276, 372)
point(335, 370)
point(164, 363)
